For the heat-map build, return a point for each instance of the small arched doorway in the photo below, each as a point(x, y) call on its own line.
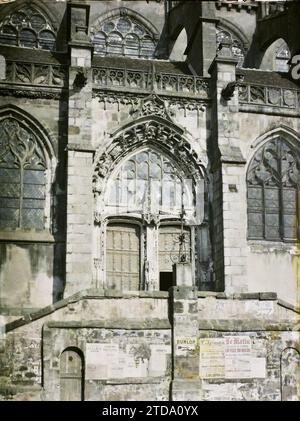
point(71, 375)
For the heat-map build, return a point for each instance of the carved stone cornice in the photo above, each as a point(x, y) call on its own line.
point(133, 100)
point(33, 92)
point(34, 80)
point(146, 81)
point(248, 5)
point(271, 96)
point(152, 105)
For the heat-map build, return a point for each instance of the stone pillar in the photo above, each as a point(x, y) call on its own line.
point(182, 274)
point(2, 68)
point(229, 178)
point(151, 251)
point(201, 50)
point(80, 154)
point(185, 382)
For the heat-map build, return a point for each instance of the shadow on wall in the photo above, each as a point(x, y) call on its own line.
point(59, 205)
point(59, 186)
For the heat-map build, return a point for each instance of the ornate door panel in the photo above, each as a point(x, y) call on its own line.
point(123, 257)
point(71, 376)
point(169, 246)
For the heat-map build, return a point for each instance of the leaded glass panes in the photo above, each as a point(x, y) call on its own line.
point(123, 257)
point(236, 45)
point(22, 177)
point(124, 36)
point(27, 27)
point(273, 189)
point(147, 180)
point(283, 55)
point(9, 35)
point(47, 40)
point(28, 38)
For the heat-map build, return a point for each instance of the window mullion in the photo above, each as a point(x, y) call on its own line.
point(280, 188)
point(21, 196)
point(264, 212)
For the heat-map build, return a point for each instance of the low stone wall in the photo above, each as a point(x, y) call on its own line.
point(181, 345)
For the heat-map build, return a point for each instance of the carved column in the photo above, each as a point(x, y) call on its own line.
point(228, 176)
point(151, 254)
point(79, 263)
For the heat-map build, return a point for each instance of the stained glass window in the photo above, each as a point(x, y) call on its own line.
point(148, 180)
point(273, 192)
point(237, 48)
point(124, 36)
point(22, 177)
point(282, 57)
point(27, 27)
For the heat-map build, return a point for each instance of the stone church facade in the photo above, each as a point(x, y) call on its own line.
point(149, 200)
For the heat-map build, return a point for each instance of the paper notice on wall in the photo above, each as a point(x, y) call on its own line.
point(258, 367)
point(158, 359)
point(238, 357)
point(212, 358)
point(230, 357)
point(185, 345)
point(260, 308)
point(135, 365)
point(101, 358)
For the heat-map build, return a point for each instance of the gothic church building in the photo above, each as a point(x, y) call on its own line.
point(149, 200)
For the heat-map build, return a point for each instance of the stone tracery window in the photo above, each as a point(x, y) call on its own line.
point(273, 192)
point(22, 177)
point(124, 36)
point(148, 180)
point(27, 27)
point(237, 48)
point(145, 203)
point(282, 57)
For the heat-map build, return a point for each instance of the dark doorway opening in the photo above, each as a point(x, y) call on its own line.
point(165, 280)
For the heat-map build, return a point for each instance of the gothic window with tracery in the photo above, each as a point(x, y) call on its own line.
point(237, 47)
point(22, 177)
point(147, 180)
point(273, 192)
point(27, 27)
point(283, 55)
point(124, 36)
point(146, 187)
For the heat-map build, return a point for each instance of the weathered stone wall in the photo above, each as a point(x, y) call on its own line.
point(222, 348)
point(32, 263)
point(238, 20)
point(271, 266)
point(31, 275)
point(266, 351)
point(109, 114)
point(137, 324)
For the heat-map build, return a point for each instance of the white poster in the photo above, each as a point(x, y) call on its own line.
point(101, 358)
point(158, 359)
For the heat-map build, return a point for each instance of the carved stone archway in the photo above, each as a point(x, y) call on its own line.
point(152, 127)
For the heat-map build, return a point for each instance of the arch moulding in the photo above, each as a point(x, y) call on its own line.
point(152, 131)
